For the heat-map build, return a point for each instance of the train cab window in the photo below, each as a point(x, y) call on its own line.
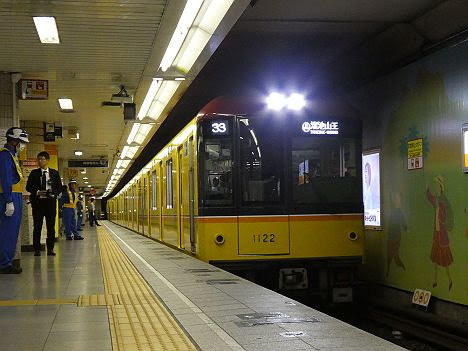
point(216, 160)
point(154, 191)
point(261, 160)
point(169, 185)
point(325, 170)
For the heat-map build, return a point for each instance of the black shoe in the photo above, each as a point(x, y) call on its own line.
point(69, 238)
point(37, 253)
point(79, 238)
point(98, 225)
point(51, 253)
point(11, 270)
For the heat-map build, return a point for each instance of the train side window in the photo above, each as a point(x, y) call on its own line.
point(169, 185)
point(325, 170)
point(154, 191)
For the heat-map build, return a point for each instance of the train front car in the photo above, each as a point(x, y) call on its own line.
point(280, 197)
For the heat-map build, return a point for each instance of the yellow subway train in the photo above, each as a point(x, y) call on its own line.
point(275, 195)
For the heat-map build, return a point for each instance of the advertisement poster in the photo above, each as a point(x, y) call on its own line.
point(371, 188)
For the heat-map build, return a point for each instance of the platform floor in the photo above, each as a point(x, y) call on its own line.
point(117, 290)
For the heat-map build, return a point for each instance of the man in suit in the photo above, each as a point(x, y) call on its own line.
point(45, 185)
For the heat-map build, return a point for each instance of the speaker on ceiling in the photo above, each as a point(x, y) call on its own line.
point(129, 112)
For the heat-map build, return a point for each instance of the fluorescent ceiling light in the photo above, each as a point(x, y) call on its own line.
point(47, 30)
point(168, 89)
point(86, 182)
point(66, 104)
point(89, 186)
point(124, 151)
point(78, 153)
point(83, 171)
point(132, 150)
point(185, 22)
point(133, 133)
point(153, 89)
point(210, 20)
point(142, 133)
point(180, 78)
point(85, 178)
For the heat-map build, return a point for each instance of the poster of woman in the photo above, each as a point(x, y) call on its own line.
point(441, 255)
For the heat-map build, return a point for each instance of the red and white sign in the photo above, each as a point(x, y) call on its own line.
point(421, 297)
point(33, 89)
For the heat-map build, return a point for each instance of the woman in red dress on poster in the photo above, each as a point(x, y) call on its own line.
point(441, 254)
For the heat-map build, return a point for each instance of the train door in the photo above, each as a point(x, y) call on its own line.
point(155, 207)
point(190, 239)
point(181, 193)
point(146, 205)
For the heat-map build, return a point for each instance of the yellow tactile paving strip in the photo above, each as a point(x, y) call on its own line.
point(141, 322)
point(37, 302)
point(98, 300)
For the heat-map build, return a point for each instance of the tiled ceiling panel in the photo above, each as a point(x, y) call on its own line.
point(104, 43)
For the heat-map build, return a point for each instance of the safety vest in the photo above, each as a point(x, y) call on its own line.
point(71, 203)
point(18, 187)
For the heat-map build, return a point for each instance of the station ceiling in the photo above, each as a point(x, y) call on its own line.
point(331, 45)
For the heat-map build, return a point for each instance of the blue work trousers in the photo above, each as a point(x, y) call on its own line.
point(9, 229)
point(70, 222)
point(80, 220)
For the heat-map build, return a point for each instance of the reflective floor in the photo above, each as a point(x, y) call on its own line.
point(76, 270)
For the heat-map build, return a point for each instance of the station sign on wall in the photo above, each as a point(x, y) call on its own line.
point(415, 154)
point(101, 163)
point(33, 89)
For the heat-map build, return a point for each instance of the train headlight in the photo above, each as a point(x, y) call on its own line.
point(219, 239)
point(352, 236)
point(276, 101)
point(296, 102)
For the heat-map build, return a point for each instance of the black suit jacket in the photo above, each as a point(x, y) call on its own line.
point(34, 183)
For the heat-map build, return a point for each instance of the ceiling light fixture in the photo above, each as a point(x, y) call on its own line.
point(78, 153)
point(66, 104)
point(153, 89)
point(185, 22)
point(47, 30)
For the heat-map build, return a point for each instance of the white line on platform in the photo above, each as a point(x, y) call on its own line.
point(208, 321)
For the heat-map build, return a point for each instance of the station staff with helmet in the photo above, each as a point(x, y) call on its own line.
point(11, 198)
point(45, 185)
point(68, 202)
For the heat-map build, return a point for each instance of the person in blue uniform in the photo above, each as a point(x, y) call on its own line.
point(79, 212)
point(67, 203)
point(11, 198)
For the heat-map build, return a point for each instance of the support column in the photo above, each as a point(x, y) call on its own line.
point(9, 118)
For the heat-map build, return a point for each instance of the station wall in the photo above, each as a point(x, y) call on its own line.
point(424, 238)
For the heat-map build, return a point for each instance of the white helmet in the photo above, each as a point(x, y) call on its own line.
point(17, 133)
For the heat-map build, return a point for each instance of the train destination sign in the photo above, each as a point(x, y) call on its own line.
point(321, 128)
point(88, 163)
point(220, 128)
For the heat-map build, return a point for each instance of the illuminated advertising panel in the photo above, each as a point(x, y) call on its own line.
point(371, 188)
point(465, 147)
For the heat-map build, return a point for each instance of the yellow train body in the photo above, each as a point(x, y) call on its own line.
point(147, 206)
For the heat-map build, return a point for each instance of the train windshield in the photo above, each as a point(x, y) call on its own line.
point(325, 170)
point(260, 161)
point(217, 163)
